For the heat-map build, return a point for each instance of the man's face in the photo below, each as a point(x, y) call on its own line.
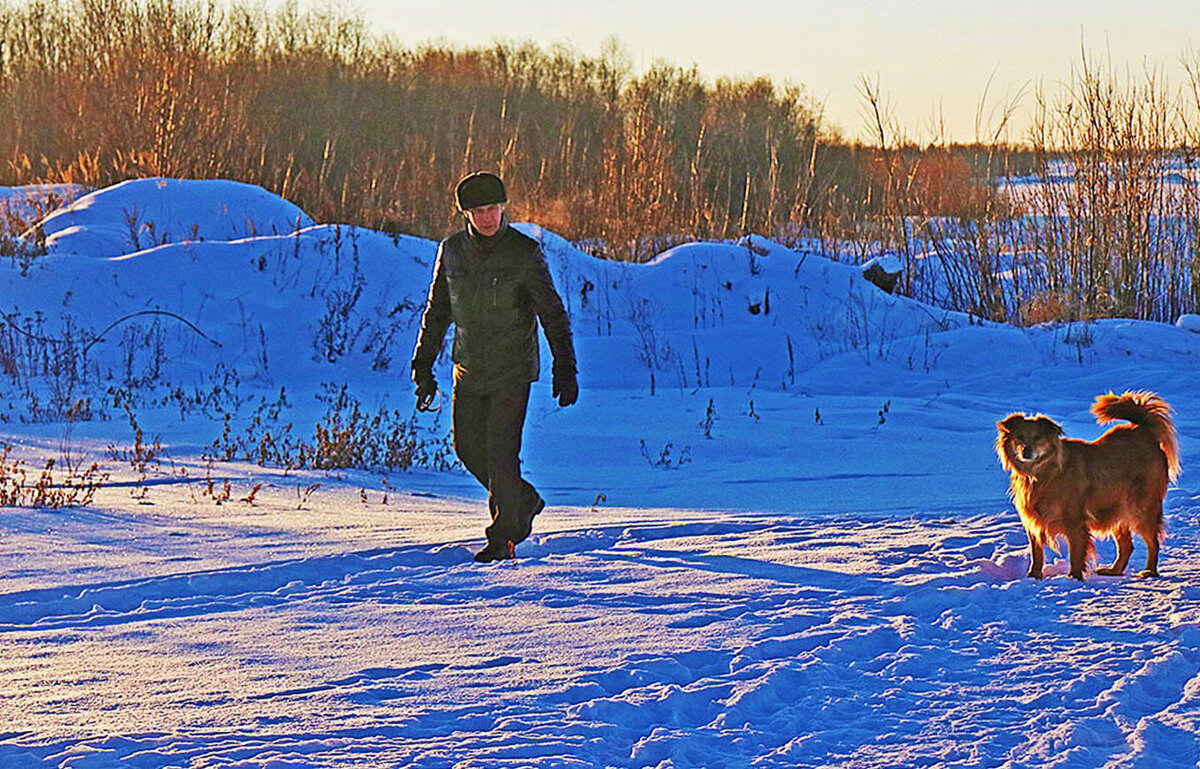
point(485, 219)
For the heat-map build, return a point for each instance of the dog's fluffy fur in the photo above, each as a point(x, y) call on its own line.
point(1112, 486)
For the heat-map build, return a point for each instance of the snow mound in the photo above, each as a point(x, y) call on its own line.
point(1189, 322)
point(23, 204)
point(143, 213)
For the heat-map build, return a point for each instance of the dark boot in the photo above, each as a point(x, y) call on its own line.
point(526, 520)
point(496, 550)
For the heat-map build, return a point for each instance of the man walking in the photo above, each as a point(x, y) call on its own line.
point(492, 283)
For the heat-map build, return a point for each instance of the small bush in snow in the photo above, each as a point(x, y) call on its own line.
point(346, 437)
point(664, 458)
point(77, 489)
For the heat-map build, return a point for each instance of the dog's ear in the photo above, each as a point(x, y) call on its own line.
point(1004, 429)
point(1007, 424)
point(1052, 428)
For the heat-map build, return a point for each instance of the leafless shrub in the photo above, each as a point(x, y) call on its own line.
point(665, 460)
point(1114, 215)
point(18, 489)
point(656, 355)
point(1104, 222)
point(347, 436)
point(45, 366)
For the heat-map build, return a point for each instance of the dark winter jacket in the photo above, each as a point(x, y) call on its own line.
point(494, 290)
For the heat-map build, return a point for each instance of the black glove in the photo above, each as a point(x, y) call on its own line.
point(565, 387)
point(427, 388)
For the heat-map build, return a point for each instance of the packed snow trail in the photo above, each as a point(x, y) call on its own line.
point(698, 639)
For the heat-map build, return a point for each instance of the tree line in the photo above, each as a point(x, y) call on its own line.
point(358, 128)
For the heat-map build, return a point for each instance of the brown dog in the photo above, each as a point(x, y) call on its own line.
point(1113, 486)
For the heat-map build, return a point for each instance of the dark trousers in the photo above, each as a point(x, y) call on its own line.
point(487, 438)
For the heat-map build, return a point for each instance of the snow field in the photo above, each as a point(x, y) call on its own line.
point(822, 570)
point(697, 639)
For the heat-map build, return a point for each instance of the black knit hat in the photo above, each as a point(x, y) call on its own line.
point(480, 189)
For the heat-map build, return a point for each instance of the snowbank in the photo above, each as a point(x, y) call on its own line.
point(1189, 322)
point(143, 213)
point(31, 202)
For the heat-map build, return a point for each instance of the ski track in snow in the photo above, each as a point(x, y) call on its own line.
point(794, 643)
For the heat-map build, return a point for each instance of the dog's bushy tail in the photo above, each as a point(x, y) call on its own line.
point(1147, 410)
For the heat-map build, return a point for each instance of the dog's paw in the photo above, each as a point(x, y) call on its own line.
point(1108, 571)
point(1148, 573)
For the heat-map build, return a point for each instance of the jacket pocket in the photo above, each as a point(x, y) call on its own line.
point(503, 290)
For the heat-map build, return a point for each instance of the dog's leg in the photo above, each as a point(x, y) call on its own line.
point(1151, 537)
point(1151, 569)
point(1079, 540)
point(1037, 554)
point(1124, 550)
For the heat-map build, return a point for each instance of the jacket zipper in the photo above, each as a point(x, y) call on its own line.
point(495, 291)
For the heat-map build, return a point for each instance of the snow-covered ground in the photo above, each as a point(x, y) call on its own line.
point(796, 551)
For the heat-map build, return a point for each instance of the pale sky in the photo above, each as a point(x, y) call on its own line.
point(931, 56)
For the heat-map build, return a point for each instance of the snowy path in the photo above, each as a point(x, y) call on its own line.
point(648, 638)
